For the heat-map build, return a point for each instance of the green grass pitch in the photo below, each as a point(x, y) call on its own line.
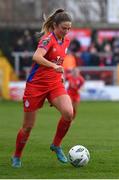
point(96, 127)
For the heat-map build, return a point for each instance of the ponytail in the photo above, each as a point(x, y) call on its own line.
point(48, 24)
point(58, 16)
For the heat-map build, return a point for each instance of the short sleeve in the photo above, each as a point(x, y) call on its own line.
point(45, 42)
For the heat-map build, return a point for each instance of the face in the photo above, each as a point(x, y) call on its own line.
point(76, 72)
point(62, 29)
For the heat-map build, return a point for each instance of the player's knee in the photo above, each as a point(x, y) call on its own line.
point(68, 115)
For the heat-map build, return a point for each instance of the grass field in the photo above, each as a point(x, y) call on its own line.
point(96, 127)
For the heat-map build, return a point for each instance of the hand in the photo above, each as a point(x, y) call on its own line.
point(59, 69)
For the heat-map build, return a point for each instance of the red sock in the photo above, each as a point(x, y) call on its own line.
point(21, 140)
point(62, 129)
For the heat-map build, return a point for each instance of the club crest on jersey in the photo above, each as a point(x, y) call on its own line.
point(46, 41)
point(27, 104)
point(54, 49)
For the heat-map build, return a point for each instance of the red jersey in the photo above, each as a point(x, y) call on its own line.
point(56, 51)
point(75, 83)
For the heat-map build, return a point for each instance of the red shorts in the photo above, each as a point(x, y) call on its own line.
point(34, 96)
point(74, 96)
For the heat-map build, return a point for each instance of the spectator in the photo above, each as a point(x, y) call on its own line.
point(115, 50)
point(85, 56)
point(94, 58)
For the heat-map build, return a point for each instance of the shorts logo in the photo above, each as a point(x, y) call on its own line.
point(27, 103)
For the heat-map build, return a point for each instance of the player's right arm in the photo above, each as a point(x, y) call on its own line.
point(39, 55)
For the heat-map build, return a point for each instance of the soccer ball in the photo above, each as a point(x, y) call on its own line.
point(79, 156)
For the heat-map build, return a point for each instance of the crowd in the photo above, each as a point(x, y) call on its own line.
point(99, 53)
point(18, 41)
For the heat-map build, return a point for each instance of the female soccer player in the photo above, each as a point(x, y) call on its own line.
point(75, 82)
point(45, 81)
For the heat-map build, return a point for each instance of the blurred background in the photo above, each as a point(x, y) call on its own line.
point(94, 47)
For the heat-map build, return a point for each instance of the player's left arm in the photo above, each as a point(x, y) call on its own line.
point(82, 80)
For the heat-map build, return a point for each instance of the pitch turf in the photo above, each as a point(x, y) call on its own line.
point(96, 127)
